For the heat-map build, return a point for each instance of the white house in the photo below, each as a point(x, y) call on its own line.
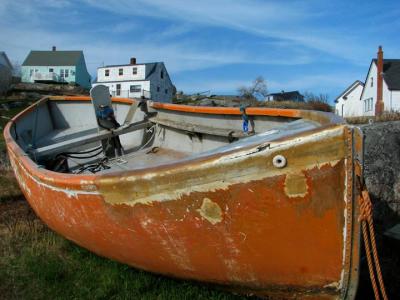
point(381, 90)
point(148, 80)
point(389, 80)
point(6, 70)
point(348, 104)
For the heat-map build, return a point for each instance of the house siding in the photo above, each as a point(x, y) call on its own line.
point(161, 89)
point(82, 75)
point(352, 106)
point(76, 74)
point(148, 77)
point(43, 71)
point(391, 99)
point(5, 73)
point(127, 73)
point(125, 91)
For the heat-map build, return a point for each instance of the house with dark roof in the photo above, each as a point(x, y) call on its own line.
point(6, 70)
point(56, 67)
point(285, 96)
point(382, 85)
point(348, 104)
point(380, 92)
point(133, 80)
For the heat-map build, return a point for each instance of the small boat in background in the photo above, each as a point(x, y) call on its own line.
point(183, 191)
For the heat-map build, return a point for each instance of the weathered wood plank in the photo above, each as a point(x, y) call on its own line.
point(199, 128)
point(87, 139)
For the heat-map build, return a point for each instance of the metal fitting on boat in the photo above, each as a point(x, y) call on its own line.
point(279, 161)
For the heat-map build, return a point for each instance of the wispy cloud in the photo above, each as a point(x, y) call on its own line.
point(219, 44)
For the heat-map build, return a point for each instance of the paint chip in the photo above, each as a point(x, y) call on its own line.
point(296, 185)
point(210, 211)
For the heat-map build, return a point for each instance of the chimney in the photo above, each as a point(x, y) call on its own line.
point(379, 106)
point(133, 60)
point(53, 48)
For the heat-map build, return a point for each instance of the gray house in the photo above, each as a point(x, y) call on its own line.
point(6, 70)
point(56, 67)
point(285, 96)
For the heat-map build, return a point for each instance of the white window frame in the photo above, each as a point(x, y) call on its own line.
point(368, 104)
point(136, 88)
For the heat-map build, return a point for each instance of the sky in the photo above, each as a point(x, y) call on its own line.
point(318, 46)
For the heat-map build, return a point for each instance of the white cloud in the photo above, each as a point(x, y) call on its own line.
point(283, 20)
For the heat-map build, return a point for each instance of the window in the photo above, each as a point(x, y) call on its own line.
point(135, 88)
point(106, 72)
point(118, 89)
point(162, 74)
point(134, 71)
point(372, 81)
point(368, 104)
point(158, 89)
point(120, 72)
point(166, 91)
point(66, 73)
point(62, 73)
point(51, 70)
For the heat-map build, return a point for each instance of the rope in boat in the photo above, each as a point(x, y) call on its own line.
point(368, 231)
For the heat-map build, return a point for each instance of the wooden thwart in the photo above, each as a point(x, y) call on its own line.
point(87, 139)
point(199, 128)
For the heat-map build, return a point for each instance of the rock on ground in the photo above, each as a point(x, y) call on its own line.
point(382, 169)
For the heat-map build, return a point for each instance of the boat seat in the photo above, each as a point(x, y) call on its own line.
point(68, 143)
point(200, 128)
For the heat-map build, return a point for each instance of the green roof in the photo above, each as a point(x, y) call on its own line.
point(53, 58)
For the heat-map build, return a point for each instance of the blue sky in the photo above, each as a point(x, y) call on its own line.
point(318, 46)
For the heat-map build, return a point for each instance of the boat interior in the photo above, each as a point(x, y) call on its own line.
point(64, 134)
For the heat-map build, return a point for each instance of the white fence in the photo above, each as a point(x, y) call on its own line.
point(47, 77)
point(129, 94)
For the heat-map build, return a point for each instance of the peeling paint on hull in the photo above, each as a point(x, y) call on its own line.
point(234, 219)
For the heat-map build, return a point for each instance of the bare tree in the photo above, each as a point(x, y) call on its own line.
point(311, 97)
point(257, 90)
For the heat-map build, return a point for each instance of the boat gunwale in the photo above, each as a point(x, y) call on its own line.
point(75, 180)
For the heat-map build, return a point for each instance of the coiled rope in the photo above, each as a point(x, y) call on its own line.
point(368, 231)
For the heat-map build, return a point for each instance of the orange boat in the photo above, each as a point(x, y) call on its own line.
point(183, 191)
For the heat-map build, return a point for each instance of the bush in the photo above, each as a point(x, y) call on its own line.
point(385, 117)
point(311, 105)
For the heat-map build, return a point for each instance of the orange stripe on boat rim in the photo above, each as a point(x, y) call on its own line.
point(256, 111)
point(292, 113)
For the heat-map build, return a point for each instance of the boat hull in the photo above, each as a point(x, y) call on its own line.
point(234, 219)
